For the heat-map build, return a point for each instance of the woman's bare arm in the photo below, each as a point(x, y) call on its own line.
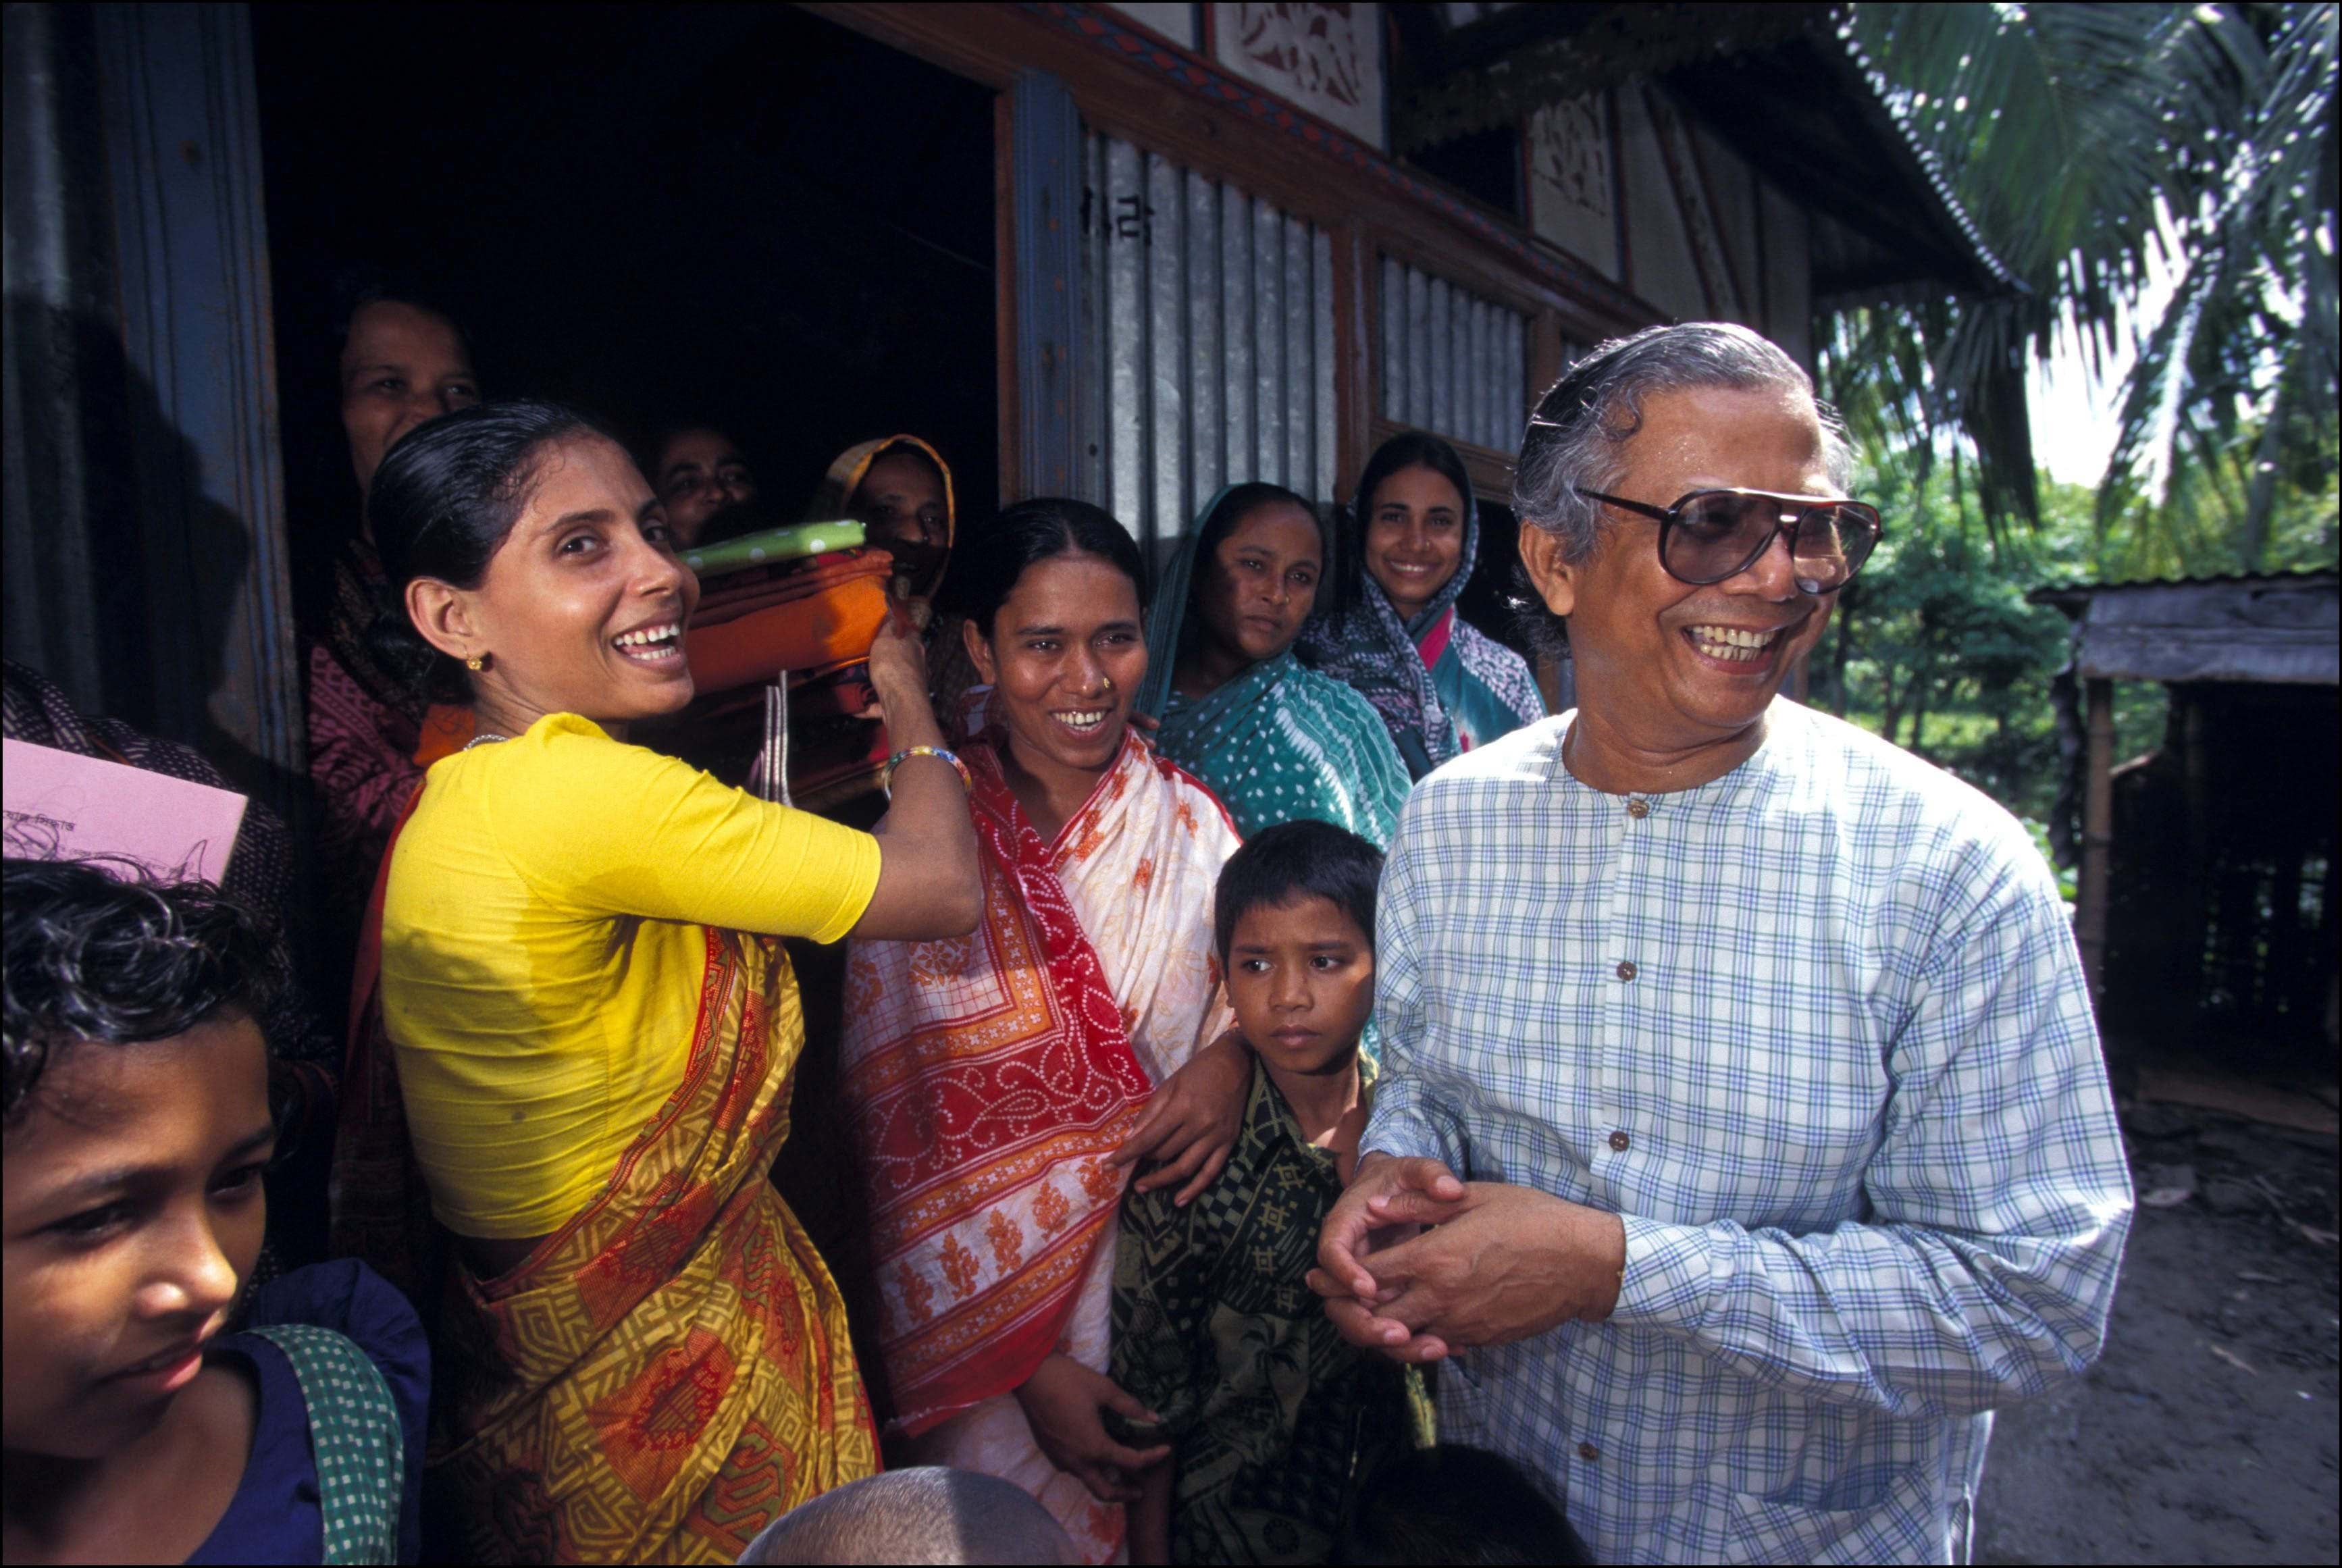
point(929, 885)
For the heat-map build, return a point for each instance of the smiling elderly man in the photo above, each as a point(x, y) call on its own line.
point(1761, 1047)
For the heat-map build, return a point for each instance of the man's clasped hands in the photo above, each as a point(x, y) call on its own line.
point(1419, 1264)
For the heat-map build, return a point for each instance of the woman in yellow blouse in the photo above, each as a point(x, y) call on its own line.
point(582, 1031)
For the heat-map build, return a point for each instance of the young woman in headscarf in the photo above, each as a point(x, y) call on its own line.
point(900, 489)
point(1275, 740)
point(999, 1082)
point(402, 362)
point(1441, 685)
point(579, 1033)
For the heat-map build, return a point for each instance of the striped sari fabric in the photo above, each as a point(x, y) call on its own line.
point(668, 1372)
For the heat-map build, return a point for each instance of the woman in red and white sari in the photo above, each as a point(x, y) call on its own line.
point(1001, 1082)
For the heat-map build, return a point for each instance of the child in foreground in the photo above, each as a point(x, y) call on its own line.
point(1273, 1419)
point(136, 1125)
point(1455, 1505)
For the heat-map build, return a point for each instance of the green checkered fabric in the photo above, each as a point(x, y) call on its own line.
point(355, 1433)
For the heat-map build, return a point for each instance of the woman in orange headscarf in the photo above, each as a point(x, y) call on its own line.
point(900, 489)
point(402, 362)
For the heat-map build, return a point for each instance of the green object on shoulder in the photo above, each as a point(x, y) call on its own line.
point(356, 1439)
point(773, 545)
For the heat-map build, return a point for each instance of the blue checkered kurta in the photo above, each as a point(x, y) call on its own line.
point(1818, 1031)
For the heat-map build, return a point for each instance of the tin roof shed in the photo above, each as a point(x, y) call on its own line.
point(2280, 627)
point(2209, 899)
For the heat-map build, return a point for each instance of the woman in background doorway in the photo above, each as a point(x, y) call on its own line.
point(900, 490)
point(1441, 685)
point(698, 472)
point(402, 362)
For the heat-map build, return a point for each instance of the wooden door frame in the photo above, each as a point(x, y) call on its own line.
point(1129, 83)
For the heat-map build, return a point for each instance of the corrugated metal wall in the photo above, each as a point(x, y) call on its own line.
point(1208, 317)
point(1451, 361)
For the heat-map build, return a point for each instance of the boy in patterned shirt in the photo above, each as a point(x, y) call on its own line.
point(1273, 1419)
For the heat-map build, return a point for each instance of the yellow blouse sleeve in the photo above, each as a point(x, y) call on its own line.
point(615, 829)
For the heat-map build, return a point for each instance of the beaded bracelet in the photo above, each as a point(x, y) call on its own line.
point(966, 781)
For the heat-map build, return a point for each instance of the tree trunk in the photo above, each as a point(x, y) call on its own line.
point(2260, 500)
point(1922, 683)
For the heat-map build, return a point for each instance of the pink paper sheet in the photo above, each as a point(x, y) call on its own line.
point(61, 806)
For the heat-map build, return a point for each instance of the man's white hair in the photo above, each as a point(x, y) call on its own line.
point(1578, 439)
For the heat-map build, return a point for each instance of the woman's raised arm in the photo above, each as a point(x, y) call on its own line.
point(929, 885)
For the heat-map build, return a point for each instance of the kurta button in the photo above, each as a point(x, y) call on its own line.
point(1626, 969)
point(1619, 1141)
point(1639, 808)
point(1589, 1452)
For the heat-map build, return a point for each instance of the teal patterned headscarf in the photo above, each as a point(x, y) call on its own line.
point(1276, 742)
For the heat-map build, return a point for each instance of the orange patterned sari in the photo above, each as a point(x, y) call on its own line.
point(668, 1372)
point(990, 1076)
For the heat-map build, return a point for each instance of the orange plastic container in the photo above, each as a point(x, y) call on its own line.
point(833, 626)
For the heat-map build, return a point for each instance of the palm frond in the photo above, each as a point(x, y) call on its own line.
point(2094, 145)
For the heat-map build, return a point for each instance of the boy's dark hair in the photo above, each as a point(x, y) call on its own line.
point(89, 957)
point(1293, 860)
point(1455, 1505)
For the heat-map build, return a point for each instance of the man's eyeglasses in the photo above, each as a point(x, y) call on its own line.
point(1712, 534)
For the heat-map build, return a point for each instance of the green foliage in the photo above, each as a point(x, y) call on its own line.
point(2086, 139)
point(2068, 876)
point(1934, 646)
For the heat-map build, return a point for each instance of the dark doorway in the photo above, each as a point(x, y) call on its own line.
point(743, 215)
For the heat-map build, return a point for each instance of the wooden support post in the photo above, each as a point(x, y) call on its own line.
point(2097, 834)
point(1046, 143)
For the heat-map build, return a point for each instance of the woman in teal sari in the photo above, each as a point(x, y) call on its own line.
point(1275, 740)
point(1441, 685)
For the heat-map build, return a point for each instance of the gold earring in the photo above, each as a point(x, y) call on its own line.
point(477, 663)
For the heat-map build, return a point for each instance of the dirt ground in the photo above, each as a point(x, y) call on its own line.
point(2207, 1431)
